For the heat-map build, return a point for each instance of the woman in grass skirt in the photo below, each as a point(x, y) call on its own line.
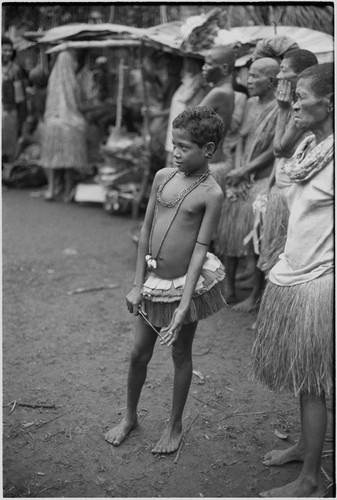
point(64, 148)
point(293, 349)
point(287, 138)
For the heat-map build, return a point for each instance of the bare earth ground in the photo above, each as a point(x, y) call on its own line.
point(71, 352)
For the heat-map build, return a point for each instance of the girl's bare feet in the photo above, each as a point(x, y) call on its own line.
point(49, 196)
point(279, 457)
point(302, 487)
point(170, 440)
point(117, 434)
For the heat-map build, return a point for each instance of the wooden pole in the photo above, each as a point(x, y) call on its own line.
point(163, 14)
point(229, 17)
point(146, 139)
point(120, 90)
point(272, 18)
point(111, 13)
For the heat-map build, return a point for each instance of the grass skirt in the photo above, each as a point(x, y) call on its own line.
point(220, 170)
point(162, 296)
point(275, 227)
point(63, 146)
point(236, 222)
point(293, 350)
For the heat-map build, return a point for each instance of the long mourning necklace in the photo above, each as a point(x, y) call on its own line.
point(176, 202)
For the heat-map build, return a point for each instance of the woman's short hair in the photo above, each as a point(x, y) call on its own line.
point(300, 59)
point(202, 123)
point(321, 78)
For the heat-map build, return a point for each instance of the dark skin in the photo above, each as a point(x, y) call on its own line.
point(221, 97)
point(261, 83)
point(182, 252)
point(315, 114)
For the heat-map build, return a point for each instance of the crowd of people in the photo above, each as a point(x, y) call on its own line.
point(275, 208)
point(243, 187)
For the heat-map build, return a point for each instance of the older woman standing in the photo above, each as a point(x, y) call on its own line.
point(293, 349)
point(64, 144)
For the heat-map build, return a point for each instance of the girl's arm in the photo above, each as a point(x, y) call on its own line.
point(213, 206)
point(134, 297)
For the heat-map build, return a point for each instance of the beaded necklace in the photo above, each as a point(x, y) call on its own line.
point(181, 196)
point(176, 202)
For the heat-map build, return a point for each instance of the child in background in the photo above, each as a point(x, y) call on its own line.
point(177, 281)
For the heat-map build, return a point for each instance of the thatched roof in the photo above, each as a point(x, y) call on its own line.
point(84, 31)
point(174, 37)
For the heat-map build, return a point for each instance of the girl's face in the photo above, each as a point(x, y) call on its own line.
point(310, 111)
point(187, 155)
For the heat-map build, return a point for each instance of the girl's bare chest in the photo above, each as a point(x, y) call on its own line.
point(183, 192)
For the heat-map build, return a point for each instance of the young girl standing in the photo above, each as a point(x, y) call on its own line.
point(177, 281)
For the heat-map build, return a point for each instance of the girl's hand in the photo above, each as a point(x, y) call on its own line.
point(170, 333)
point(283, 94)
point(133, 300)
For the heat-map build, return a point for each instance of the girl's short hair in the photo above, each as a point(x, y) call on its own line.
point(321, 77)
point(202, 123)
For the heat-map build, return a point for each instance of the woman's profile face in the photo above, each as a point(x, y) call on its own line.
point(310, 111)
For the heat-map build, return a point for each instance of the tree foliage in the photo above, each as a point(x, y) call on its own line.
point(35, 16)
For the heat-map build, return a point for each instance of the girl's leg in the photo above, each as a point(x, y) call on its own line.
point(182, 359)
point(251, 303)
point(314, 423)
point(50, 193)
point(141, 353)
point(68, 184)
point(231, 264)
point(58, 181)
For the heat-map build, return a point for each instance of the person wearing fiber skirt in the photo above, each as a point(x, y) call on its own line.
point(177, 281)
point(286, 139)
point(293, 349)
point(254, 160)
point(64, 148)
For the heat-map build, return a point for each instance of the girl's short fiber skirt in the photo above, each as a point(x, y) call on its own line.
point(275, 227)
point(293, 350)
point(162, 296)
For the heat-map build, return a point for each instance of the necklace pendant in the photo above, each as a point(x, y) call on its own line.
point(151, 262)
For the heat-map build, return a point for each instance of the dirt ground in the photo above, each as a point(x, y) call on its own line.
point(65, 359)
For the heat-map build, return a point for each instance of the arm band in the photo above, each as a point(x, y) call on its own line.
point(206, 244)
